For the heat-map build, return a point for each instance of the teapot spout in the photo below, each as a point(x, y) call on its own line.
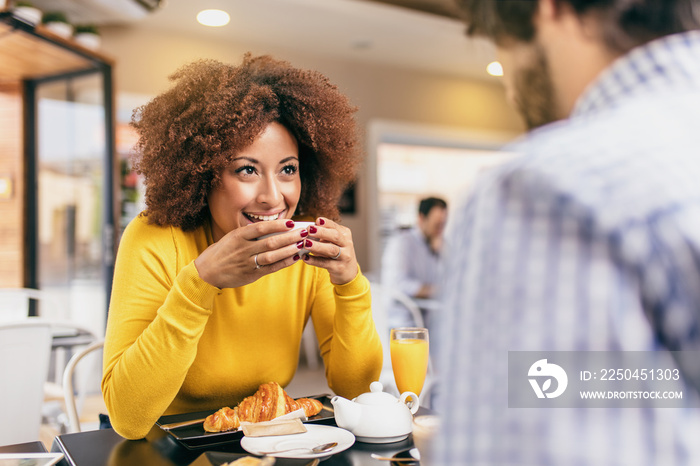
point(347, 413)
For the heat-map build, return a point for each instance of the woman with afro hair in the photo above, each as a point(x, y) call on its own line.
point(205, 305)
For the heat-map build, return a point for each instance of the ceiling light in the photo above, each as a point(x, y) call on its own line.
point(494, 69)
point(214, 18)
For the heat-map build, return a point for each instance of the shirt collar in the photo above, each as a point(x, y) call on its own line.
point(669, 62)
point(419, 233)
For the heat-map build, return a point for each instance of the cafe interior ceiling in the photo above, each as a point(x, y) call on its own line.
point(100, 11)
point(423, 35)
point(436, 7)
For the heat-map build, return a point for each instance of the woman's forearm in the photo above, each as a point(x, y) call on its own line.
point(354, 359)
point(147, 362)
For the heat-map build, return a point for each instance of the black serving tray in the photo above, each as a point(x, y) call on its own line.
point(195, 436)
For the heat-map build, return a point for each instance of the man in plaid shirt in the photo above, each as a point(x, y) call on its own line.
point(589, 240)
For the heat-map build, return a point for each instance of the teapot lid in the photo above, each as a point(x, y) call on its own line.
point(376, 396)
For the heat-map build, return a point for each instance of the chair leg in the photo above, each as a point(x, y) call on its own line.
point(308, 341)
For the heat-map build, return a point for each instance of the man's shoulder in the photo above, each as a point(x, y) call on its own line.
point(619, 164)
point(402, 240)
point(410, 234)
point(620, 146)
point(624, 131)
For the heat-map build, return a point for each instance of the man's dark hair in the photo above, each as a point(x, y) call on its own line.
point(625, 23)
point(430, 202)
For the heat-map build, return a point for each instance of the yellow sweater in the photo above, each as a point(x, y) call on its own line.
point(176, 344)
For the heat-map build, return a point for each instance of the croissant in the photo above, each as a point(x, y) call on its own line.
point(269, 402)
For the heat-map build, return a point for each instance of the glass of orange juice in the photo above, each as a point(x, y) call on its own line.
point(409, 357)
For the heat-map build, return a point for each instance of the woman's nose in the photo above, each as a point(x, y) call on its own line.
point(270, 192)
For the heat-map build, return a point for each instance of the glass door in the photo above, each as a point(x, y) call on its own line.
point(72, 170)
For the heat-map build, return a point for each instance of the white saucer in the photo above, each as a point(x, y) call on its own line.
point(398, 438)
point(315, 435)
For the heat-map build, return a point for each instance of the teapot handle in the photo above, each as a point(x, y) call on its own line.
point(413, 404)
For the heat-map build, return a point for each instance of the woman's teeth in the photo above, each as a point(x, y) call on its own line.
point(263, 217)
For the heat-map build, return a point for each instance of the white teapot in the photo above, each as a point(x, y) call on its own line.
point(376, 417)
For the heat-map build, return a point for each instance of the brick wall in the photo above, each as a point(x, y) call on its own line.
point(12, 166)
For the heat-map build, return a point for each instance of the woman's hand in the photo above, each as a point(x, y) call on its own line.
point(240, 257)
point(332, 249)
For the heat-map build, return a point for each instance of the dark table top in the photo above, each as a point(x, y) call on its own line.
point(28, 447)
point(106, 447)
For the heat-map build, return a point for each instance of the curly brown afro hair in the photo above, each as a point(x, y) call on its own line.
point(190, 133)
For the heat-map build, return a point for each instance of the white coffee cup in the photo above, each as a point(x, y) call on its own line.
point(297, 226)
point(426, 429)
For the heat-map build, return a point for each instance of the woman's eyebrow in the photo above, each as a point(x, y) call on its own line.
point(289, 159)
point(249, 159)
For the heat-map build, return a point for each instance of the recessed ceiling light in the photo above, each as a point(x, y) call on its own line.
point(494, 69)
point(214, 18)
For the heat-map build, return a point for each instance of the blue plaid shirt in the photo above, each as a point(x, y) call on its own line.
point(589, 240)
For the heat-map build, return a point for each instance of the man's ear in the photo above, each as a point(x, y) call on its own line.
point(563, 13)
point(548, 9)
point(553, 12)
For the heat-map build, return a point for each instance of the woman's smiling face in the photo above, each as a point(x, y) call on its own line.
point(261, 183)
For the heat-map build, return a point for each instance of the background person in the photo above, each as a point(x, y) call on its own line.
point(202, 312)
point(411, 259)
point(589, 240)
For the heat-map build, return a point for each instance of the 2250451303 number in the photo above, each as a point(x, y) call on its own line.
point(639, 374)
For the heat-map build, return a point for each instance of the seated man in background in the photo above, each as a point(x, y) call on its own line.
point(411, 259)
point(588, 242)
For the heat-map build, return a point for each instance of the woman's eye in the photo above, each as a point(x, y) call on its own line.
point(246, 170)
point(289, 169)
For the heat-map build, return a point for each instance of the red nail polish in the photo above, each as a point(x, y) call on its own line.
point(308, 243)
point(306, 257)
point(300, 244)
point(313, 229)
point(321, 221)
point(304, 233)
point(290, 223)
point(296, 257)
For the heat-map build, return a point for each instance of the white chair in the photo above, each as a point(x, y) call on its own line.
point(382, 298)
point(310, 345)
point(67, 337)
point(25, 350)
point(14, 302)
point(410, 305)
point(72, 407)
point(380, 303)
